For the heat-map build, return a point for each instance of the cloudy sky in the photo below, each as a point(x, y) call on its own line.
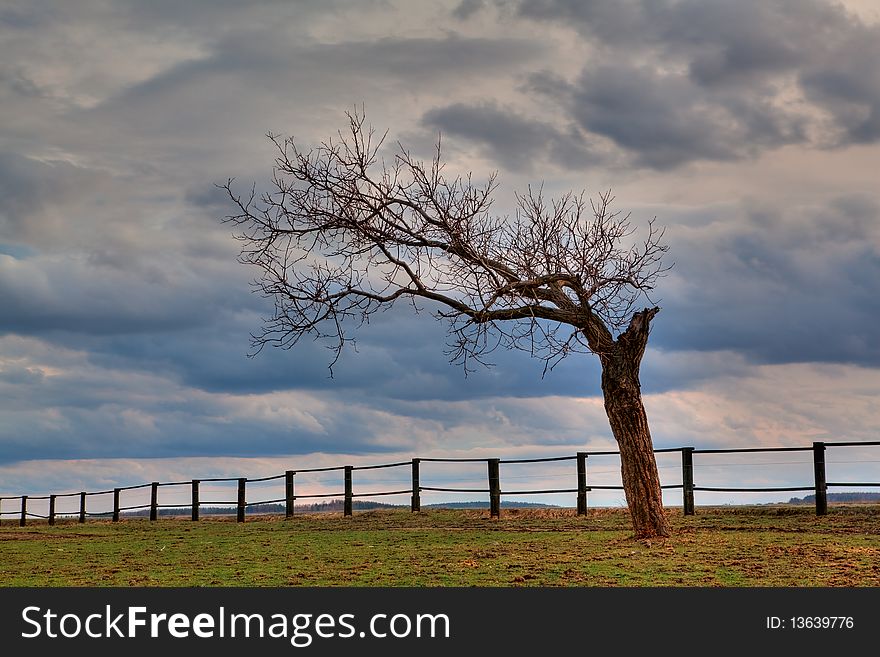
point(750, 129)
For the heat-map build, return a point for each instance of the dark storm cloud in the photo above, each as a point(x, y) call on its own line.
point(718, 40)
point(518, 143)
point(852, 97)
point(23, 17)
point(397, 356)
point(798, 284)
point(272, 64)
point(467, 8)
point(187, 119)
point(29, 187)
point(92, 436)
point(663, 120)
point(720, 77)
point(159, 429)
point(45, 294)
point(418, 61)
point(214, 15)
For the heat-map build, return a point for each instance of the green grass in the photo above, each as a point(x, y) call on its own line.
point(723, 546)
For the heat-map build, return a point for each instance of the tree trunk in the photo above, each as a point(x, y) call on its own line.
point(629, 423)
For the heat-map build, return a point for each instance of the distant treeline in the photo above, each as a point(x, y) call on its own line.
point(512, 504)
point(332, 506)
point(319, 507)
point(838, 497)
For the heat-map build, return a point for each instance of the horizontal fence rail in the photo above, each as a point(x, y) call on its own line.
point(493, 489)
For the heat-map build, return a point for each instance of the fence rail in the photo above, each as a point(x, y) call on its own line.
point(819, 485)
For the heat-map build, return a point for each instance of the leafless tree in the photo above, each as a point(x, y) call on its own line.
point(345, 233)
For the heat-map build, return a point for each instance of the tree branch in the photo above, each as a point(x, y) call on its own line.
point(343, 235)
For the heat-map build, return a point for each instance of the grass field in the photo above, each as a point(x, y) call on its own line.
point(723, 546)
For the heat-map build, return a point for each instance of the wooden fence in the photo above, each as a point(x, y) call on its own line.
point(819, 486)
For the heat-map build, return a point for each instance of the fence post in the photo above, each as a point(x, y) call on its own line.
point(241, 499)
point(289, 493)
point(582, 483)
point(23, 520)
point(1, 510)
point(195, 500)
point(115, 505)
point(494, 488)
point(82, 507)
point(416, 499)
point(821, 485)
point(346, 507)
point(687, 479)
point(154, 500)
point(52, 509)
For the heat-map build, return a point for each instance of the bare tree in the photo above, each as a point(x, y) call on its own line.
point(345, 233)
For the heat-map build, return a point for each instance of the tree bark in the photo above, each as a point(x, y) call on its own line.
point(629, 424)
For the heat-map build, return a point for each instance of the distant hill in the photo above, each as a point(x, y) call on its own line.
point(838, 497)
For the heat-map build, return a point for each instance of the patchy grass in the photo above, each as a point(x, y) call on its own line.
point(722, 546)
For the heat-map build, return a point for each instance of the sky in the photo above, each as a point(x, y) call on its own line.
point(749, 129)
